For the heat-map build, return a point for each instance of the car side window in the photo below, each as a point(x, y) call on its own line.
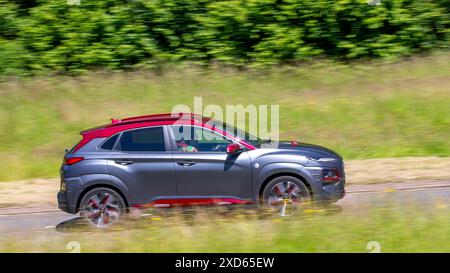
point(145, 140)
point(197, 139)
point(109, 144)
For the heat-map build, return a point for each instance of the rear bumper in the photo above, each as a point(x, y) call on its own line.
point(67, 200)
point(64, 205)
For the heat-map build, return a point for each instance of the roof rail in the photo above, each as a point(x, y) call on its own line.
point(165, 116)
point(146, 118)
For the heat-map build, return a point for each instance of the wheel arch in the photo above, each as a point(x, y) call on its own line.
point(102, 185)
point(275, 175)
point(273, 170)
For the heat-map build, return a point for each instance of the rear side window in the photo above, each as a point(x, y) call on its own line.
point(148, 140)
point(109, 144)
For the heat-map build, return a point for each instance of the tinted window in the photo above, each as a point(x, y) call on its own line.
point(149, 139)
point(195, 139)
point(109, 144)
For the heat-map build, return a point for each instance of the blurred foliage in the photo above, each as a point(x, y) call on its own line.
point(41, 36)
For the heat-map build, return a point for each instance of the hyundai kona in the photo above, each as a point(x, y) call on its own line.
point(169, 160)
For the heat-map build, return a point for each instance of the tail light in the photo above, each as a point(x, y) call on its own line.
point(331, 175)
point(72, 160)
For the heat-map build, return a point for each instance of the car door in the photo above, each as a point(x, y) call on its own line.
point(204, 171)
point(142, 160)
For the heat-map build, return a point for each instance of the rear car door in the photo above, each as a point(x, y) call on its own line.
point(204, 171)
point(142, 160)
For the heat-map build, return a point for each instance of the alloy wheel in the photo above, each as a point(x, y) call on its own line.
point(285, 197)
point(102, 209)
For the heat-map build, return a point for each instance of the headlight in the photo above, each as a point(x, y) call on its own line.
point(321, 159)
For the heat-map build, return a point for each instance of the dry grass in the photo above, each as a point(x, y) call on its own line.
point(387, 170)
point(29, 193)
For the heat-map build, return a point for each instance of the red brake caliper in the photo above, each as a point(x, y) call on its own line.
point(277, 191)
point(105, 199)
point(93, 203)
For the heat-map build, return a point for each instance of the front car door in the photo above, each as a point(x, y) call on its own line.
point(142, 159)
point(205, 173)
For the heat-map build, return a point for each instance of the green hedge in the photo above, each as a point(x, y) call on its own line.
point(44, 36)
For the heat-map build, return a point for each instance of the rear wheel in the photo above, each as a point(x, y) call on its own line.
point(102, 207)
point(285, 194)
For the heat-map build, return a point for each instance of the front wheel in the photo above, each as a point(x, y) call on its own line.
point(102, 207)
point(285, 194)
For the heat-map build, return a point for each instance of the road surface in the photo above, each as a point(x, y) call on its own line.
point(428, 194)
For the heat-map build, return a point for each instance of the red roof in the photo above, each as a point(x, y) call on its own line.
point(166, 117)
point(157, 117)
point(118, 125)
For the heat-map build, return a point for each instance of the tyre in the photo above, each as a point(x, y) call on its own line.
point(285, 194)
point(102, 207)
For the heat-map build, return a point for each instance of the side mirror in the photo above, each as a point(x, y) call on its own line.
point(234, 149)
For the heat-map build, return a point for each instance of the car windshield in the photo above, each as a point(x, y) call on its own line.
point(238, 133)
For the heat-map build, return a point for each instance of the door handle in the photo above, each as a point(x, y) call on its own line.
point(186, 162)
point(123, 162)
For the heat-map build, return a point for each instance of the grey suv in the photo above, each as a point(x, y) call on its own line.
point(169, 160)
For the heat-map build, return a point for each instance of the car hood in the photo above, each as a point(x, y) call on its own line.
point(307, 149)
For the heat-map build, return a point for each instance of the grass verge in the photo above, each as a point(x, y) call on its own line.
point(396, 229)
point(361, 110)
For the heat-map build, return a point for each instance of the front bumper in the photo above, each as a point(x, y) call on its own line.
point(328, 192)
point(333, 192)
